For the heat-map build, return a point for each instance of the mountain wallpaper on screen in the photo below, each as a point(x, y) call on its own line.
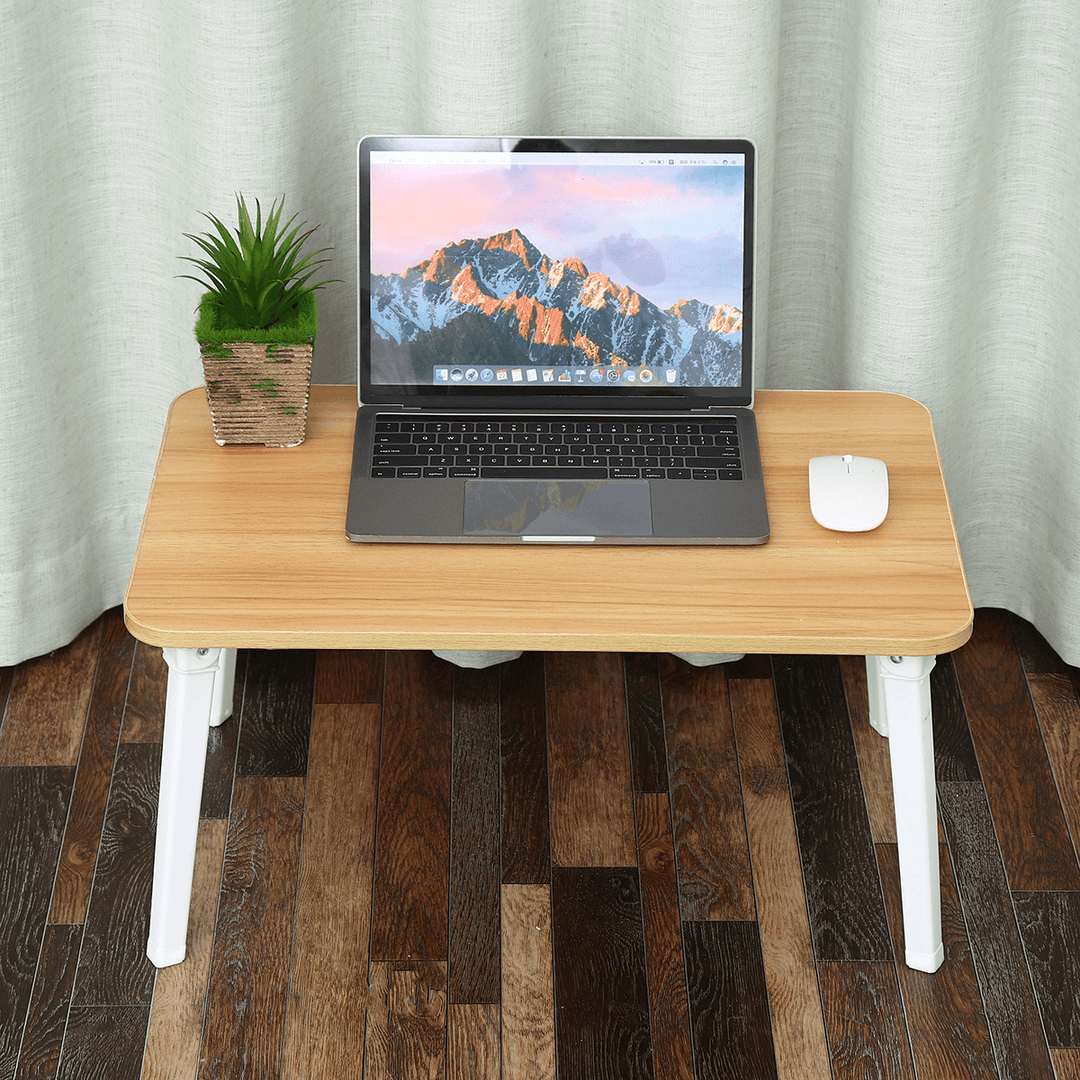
point(500, 300)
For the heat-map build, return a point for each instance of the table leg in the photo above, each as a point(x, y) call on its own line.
point(199, 694)
point(224, 681)
point(899, 692)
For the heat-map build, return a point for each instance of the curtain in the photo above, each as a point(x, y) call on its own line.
point(919, 225)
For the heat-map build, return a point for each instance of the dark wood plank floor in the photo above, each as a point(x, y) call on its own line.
point(582, 866)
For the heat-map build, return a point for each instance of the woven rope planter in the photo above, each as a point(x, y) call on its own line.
point(255, 397)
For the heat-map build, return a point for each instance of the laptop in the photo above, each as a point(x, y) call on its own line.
point(555, 342)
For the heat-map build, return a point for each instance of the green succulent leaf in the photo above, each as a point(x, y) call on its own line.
point(259, 274)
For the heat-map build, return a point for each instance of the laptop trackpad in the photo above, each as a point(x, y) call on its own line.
point(557, 508)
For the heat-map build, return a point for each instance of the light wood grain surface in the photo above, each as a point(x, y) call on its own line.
point(245, 547)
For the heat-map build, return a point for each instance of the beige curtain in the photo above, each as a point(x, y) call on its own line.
point(920, 225)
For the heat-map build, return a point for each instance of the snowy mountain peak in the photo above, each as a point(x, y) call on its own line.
point(513, 241)
point(503, 298)
point(717, 318)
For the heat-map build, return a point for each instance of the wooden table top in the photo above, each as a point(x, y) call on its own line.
point(245, 547)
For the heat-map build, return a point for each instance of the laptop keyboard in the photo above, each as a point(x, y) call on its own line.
point(572, 448)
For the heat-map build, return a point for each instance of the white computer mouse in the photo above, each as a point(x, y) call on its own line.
point(847, 493)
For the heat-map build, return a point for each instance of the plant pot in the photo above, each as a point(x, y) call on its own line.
point(258, 393)
point(257, 381)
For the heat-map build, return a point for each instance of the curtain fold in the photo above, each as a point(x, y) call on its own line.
point(919, 226)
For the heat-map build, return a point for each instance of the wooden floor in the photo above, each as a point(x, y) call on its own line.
point(574, 865)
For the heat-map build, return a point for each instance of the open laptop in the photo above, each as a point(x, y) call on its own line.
point(555, 342)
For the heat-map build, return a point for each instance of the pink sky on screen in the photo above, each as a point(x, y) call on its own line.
point(685, 225)
point(419, 213)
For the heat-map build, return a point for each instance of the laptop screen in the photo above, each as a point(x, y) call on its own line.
point(562, 268)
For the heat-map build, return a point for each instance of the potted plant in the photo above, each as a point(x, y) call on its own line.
point(256, 326)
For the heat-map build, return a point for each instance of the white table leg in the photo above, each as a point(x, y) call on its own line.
point(224, 681)
point(899, 689)
point(875, 688)
point(199, 694)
